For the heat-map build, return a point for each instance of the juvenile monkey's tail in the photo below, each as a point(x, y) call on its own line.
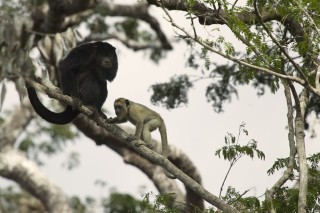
point(164, 140)
point(64, 117)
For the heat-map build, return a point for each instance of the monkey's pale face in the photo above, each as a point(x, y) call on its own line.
point(117, 109)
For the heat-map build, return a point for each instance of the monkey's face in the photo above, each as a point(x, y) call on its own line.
point(108, 65)
point(120, 107)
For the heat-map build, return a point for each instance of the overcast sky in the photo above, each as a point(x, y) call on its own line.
point(196, 129)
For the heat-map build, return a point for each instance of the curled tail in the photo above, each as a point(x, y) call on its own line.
point(164, 140)
point(64, 117)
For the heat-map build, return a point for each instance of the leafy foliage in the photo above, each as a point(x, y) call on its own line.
point(50, 140)
point(14, 59)
point(172, 94)
point(280, 163)
point(14, 200)
point(249, 204)
point(77, 205)
point(220, 91)
point(286, 199)
point(122, 203)
point(130, 27)
point(161, 203)
point(97, 24)
point(314, 107)
point(233, 151)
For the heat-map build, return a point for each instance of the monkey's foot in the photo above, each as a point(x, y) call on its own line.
point(140, 143)
point(131, 138)
point(150, 145)
point(103, 116)
point(76, 102)
point(96, 113)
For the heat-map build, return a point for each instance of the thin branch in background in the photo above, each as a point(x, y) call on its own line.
point(238, 61)
point(317, 83)
point(240, 196)
point(232, 162)
point(296, 66)
point(193, 27)
point(289, 171)
point(132, 44)
point(234, 4)
point(310, 19)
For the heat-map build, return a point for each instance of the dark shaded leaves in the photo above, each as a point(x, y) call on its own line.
point(172, 94)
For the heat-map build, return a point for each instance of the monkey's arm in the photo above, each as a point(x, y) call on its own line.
point(69, 82)
point(139, 128)
point(117, 120)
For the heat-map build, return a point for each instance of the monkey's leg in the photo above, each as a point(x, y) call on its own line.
point(146, 132)
point(96, 112)
point(76, 102)
point(139, 128)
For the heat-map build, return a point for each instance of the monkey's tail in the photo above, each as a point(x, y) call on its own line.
point(164, 140)
point(64, 117)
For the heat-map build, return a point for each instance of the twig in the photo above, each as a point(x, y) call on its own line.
point(296, 66)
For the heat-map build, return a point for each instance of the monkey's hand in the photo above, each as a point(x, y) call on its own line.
point(76, 102)
point(111, 120)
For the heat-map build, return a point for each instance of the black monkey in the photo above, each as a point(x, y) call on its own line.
point(83, 75)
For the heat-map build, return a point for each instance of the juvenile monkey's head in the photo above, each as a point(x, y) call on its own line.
point(121, 106)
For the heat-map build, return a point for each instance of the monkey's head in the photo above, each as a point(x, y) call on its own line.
point(100, 57)
point(121, 106)
point(106, 60)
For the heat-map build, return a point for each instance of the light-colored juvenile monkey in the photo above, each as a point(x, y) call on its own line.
point(145, 121)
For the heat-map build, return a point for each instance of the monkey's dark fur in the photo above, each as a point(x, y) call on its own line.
point(83, 75)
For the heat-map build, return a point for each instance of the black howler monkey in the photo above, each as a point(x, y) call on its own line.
point(83, 75)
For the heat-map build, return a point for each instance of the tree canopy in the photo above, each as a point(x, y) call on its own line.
point(270, 45)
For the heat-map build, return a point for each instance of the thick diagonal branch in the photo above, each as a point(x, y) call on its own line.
point(15, 166)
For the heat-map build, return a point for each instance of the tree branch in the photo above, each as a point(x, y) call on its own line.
point(139, 147)
point(303, 165)
point(55, 19)
point(15, 166)
point(132, 44)
point(15, 124)
point(282, 49)
point(289, 171)
point(209, 16)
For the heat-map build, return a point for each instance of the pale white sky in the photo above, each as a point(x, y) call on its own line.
point(195, 129)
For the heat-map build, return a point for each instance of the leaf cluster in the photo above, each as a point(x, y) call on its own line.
point(224, 86)
point(247, 204)
point(285, 198)
point(233, 151)
point(123, 203)
point(49, 140)
point(172, 94)
point(13, 199)
point(15, 43)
